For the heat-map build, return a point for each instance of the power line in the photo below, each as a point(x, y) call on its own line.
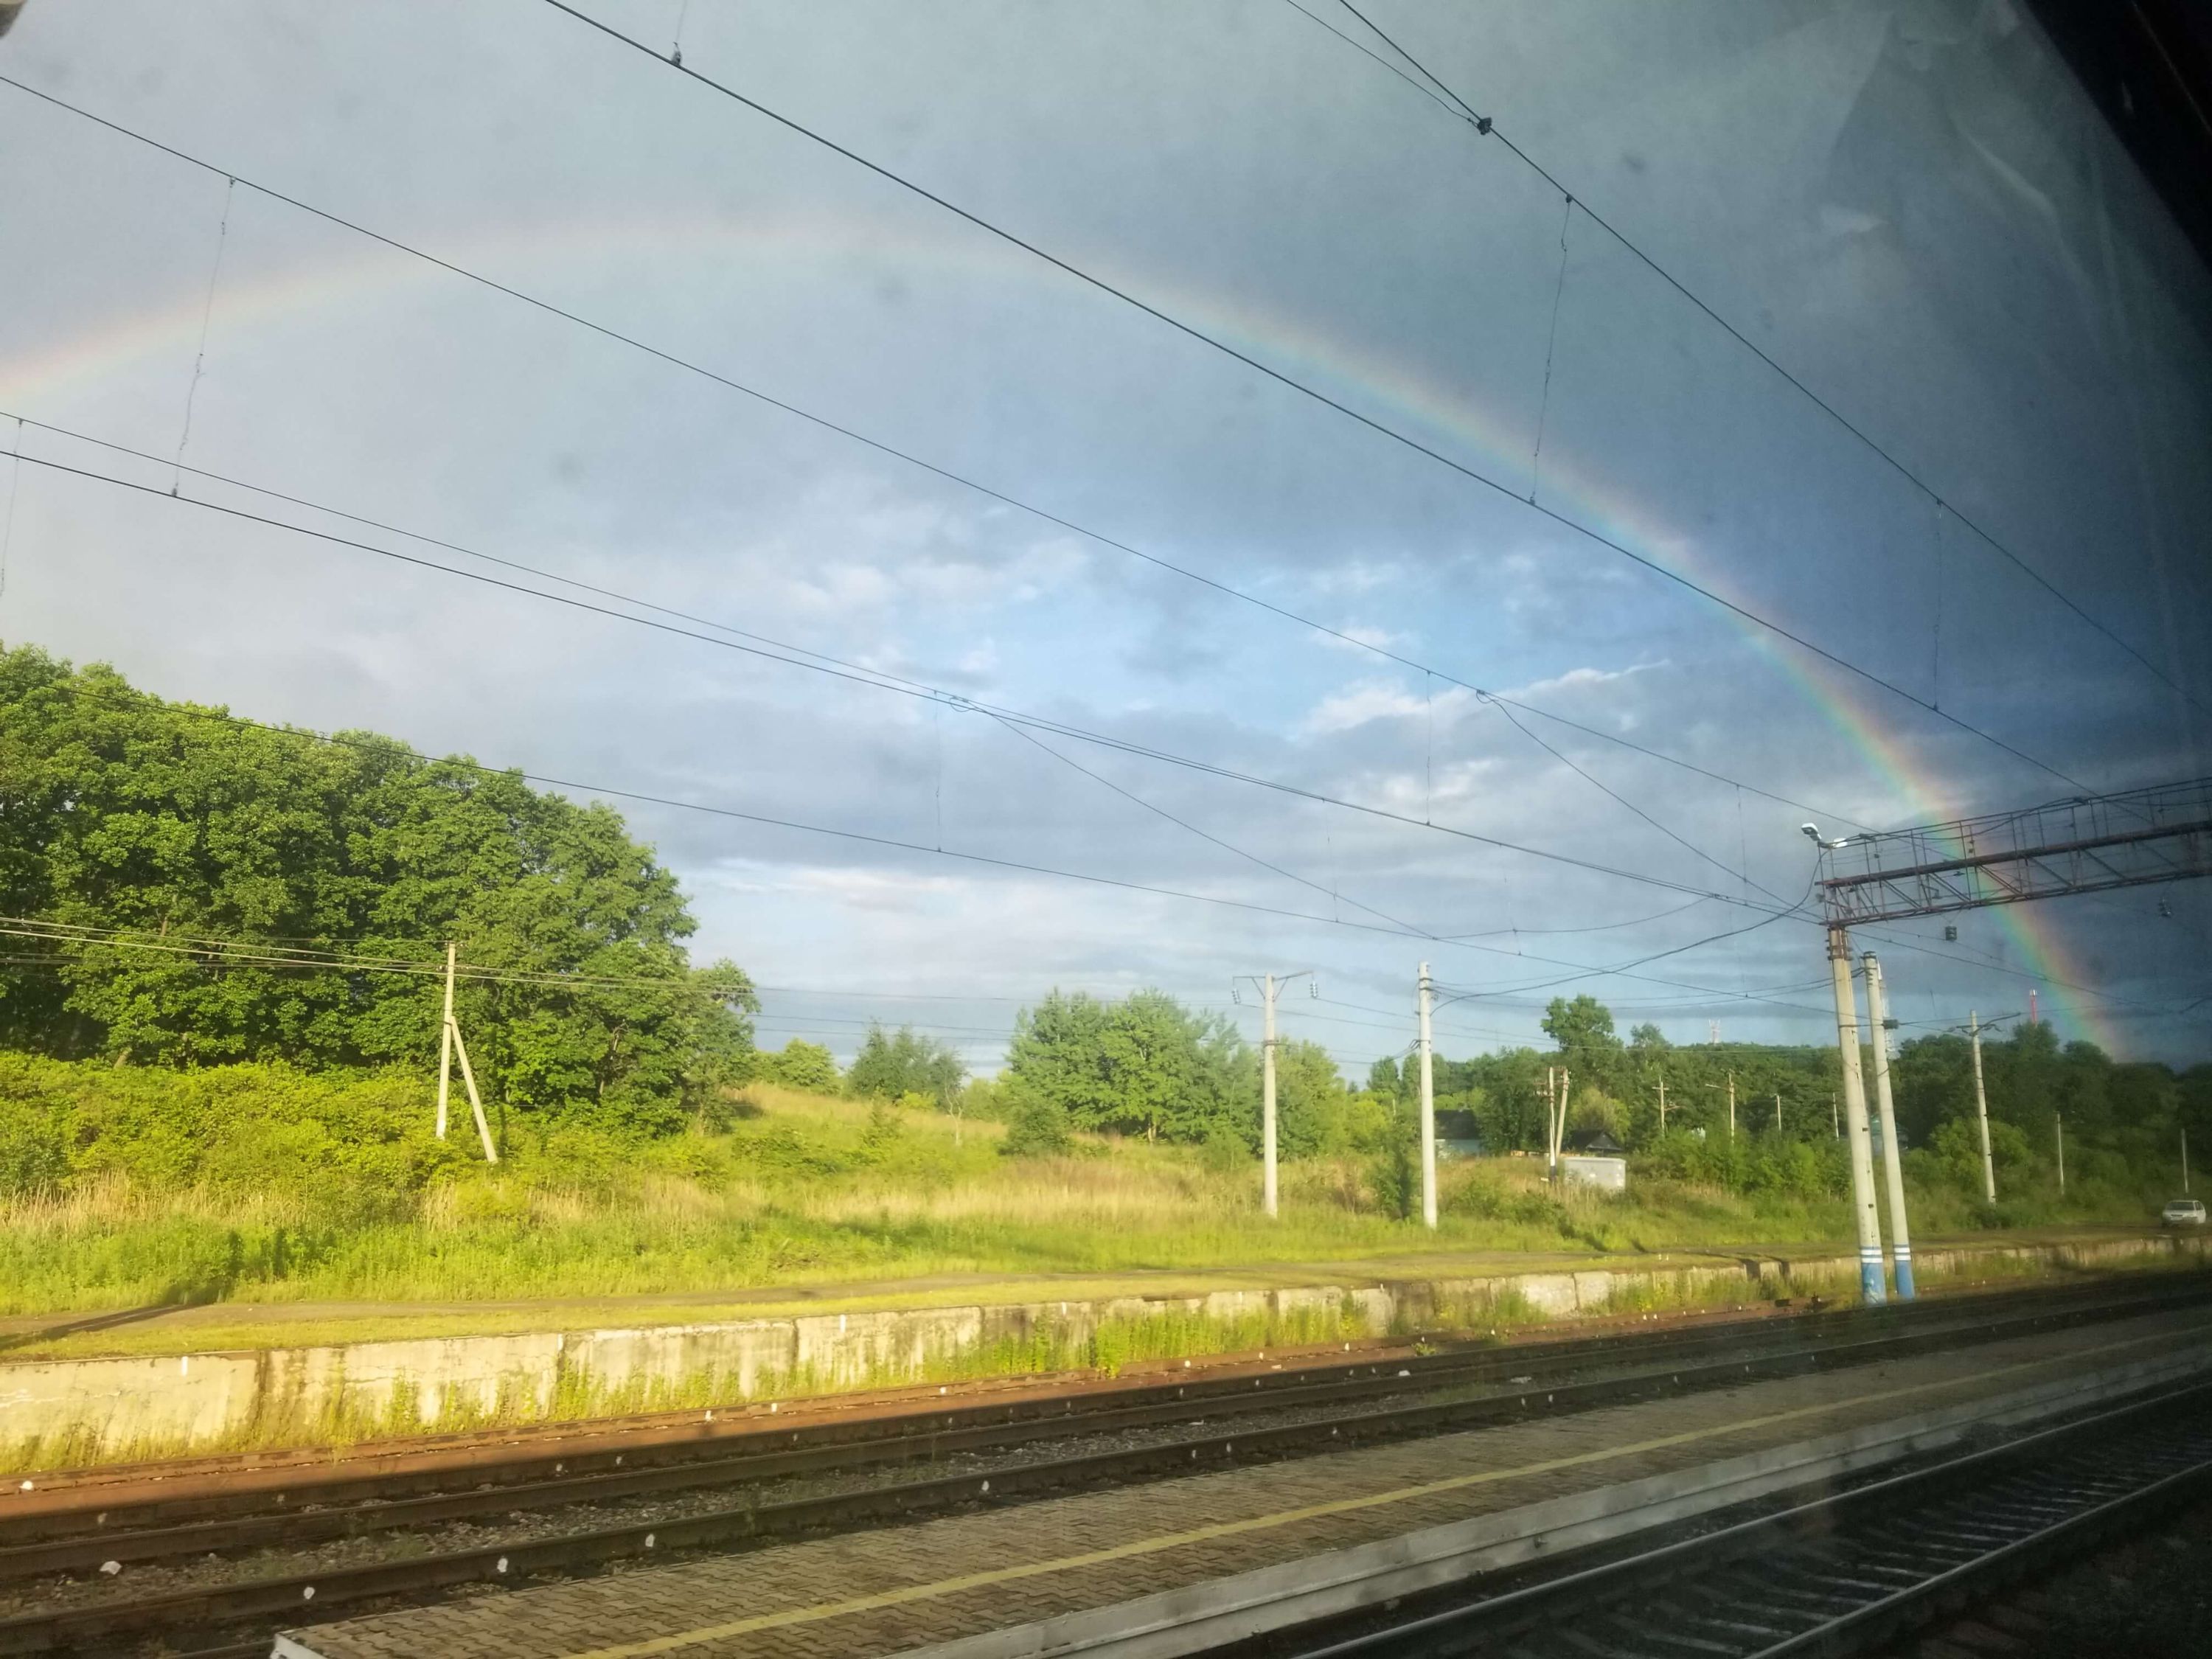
point(1505, 706)
point(775, 651)
point(1025, 507)
point(212, 952)
point(1382, 428)
point(884, 682)
point(1596, 927)
point(1043, 514)
point(1207, 834)
point(387, 747)
point(1488, 127)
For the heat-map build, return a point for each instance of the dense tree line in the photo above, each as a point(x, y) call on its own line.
point(168, 826)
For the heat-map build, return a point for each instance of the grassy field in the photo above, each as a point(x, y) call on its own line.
point(797, 1190)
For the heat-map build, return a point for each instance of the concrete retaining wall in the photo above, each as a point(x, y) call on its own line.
point(80, 1411)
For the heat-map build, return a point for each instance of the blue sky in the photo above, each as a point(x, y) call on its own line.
point(1910, 206)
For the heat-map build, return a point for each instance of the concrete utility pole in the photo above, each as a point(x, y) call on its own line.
point(1893, 1162)
point(1982, 1111)
point(1662, 1102)
point(2059, 1118)
point(1559, 1123)
point(2184, 1163)
point(449, 1045)
point(1269, 986)
point(1267, 1096)
point(1428, 1110)
point(1551, 1111)
point(1777, 1112)
point(1731, 1076)
point(1872, 1288)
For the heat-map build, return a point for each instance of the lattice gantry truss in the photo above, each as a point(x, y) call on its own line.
point(2085, 845)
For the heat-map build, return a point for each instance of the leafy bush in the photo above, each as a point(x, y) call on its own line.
point(1037, 1126)
point(800, 1065)
point(1394, 1173)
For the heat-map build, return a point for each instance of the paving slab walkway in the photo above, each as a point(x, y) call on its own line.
point(898, 1588)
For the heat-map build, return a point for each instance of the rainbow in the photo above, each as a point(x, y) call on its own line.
point(1390, 390)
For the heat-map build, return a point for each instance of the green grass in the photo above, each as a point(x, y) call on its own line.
point(267, 1187)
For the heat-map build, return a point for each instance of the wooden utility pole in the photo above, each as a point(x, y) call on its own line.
point(449, 1045)
point(1982, 1111)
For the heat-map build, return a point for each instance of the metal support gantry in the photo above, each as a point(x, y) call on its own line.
point(2087, 844)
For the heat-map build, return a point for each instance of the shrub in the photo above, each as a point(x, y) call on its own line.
point(1393, 1174)
point(1037, 1126)
point(801, 1064)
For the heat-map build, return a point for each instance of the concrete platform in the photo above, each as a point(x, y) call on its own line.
point(1172, 1566)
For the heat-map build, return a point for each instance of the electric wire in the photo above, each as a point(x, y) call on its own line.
point(752, 391)
point(1488, 127)
point(853, 674)
point(1257, 364)
point(387, 747)
point(1043, 514)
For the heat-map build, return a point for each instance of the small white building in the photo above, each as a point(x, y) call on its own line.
point(1585, 1170)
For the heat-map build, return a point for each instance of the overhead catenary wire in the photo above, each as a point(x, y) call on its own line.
point(1224, 588)
point(1486, 126)
point(226, 952)
point(798, 657)
point(905, 456)
point(1383, 428)
point(224, 717)
point(855, 673)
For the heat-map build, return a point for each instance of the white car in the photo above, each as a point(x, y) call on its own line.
point(2183, 1213)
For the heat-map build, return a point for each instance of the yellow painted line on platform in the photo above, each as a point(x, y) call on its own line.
point(1154, 1546)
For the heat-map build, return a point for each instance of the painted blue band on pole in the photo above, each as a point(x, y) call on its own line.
point(1905, 1290)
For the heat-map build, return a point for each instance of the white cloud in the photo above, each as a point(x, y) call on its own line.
point(1578, 679)
point(1382, 700)
point(1355, 635)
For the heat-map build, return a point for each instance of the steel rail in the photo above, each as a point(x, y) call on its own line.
point(123, 1539)
point(1807, 1579)
point(421, 1577)
point(188, 1494)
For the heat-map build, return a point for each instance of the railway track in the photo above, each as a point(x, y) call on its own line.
point(1844, 1573)
point(1302, 1411)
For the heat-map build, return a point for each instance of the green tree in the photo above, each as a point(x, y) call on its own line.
point(1583, 1030)
point(802, 1065)
point(905, 1062)
point(1311, 1101)
point(1144, 1065)
point(167, 837)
